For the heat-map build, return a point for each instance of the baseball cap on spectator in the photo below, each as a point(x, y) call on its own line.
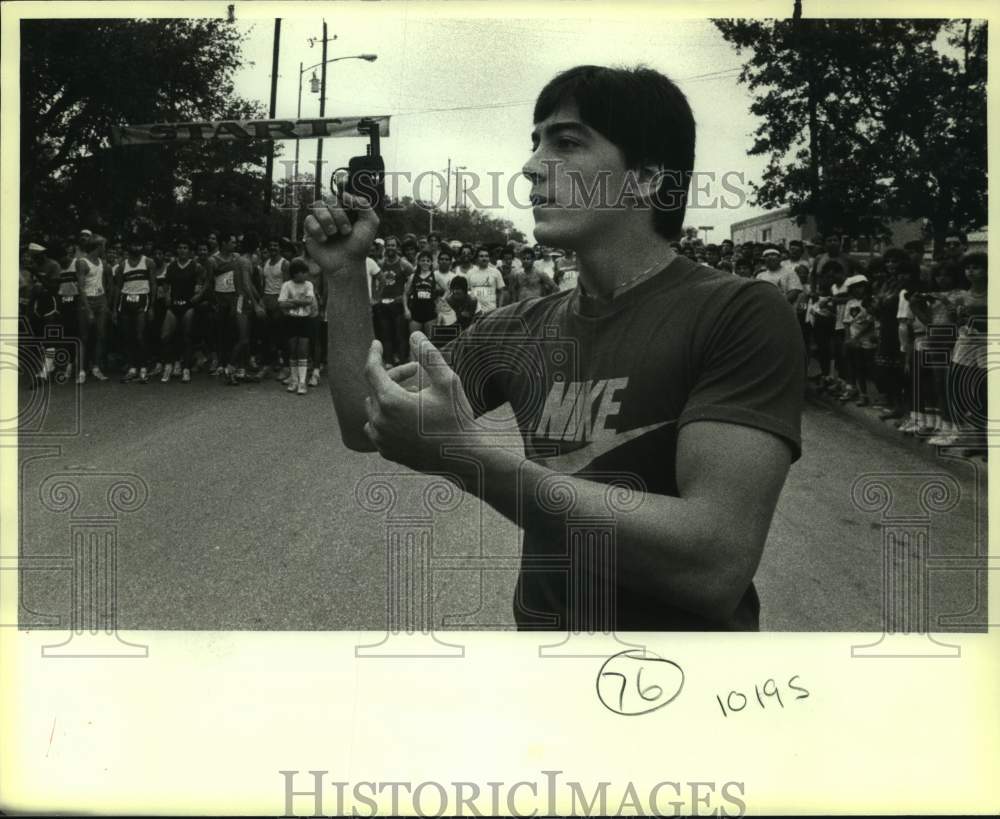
point(35, 247)
point(852, 280)
point(380, 241)
point(86, 232)
point(771, 251)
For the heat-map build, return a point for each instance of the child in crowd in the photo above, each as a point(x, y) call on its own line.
point(297, 300)
point(859, 339)
point(462, 302)
point(967, 375)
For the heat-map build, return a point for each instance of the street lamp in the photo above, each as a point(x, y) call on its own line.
point(322, 101)
point(315, 86)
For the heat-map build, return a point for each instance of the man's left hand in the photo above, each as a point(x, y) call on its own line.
point(413, 428)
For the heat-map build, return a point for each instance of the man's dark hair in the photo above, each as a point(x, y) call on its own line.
point(459, 283)
point(643, 113)
point(297, 266)
point(410, 244)
point(976, 258)
point(249, 242)
point(894, 254)
point(433, 235)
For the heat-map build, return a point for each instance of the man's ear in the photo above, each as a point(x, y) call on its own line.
point(649, 178)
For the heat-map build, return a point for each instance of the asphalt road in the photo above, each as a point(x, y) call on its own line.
point(253, 520)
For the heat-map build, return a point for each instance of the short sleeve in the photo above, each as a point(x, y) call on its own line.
point(283, 293)
point(498, 280)
point(752, 367)
point(904, 311)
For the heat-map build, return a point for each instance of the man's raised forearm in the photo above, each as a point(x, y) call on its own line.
point(349, 314)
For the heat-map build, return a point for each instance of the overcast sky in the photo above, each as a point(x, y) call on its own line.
point(488, 72)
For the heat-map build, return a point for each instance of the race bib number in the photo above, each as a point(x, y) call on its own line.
point(68, 299)
point(180, 303)
point(132, 298)
point(387, 301)
point(423, 294)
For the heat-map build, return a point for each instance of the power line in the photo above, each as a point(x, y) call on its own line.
point(711, 75)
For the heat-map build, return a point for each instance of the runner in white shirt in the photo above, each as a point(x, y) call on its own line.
point(274, 273)
point(785, 279)
point(485, 282)
point(299, 303)
point(94, 280)
point(445, 314)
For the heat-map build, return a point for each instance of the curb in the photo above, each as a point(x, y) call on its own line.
point(953, 461)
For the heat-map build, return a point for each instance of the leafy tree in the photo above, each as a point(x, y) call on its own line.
point(80, 78)
point(866, 121)
point(464, 224)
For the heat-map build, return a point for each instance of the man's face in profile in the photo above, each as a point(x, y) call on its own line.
point(568, 160)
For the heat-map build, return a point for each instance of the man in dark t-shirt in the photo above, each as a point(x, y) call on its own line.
point(658, 400)
point(688, 344)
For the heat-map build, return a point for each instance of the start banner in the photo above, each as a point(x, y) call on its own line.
point(245, 130)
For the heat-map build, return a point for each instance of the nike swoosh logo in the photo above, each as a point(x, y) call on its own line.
point(576, 460)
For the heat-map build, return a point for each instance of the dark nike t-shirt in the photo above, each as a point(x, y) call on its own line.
point(600, 392)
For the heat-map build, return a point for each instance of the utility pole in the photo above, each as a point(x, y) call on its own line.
point(322, 113)
point(269, 170)
point(447, 188)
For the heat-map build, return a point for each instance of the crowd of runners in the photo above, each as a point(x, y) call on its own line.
point(243, 310)
point(877, 326)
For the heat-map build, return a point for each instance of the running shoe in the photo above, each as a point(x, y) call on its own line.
point(143, 376)
point(186, 377)
point(129, 376)
point(232, 380)
point(96, 372)
point(314, 378)
point(167, 372)
point(81, 377)
point(945, 439)
point(302, 389)
point(157, 369)
point(293, 384)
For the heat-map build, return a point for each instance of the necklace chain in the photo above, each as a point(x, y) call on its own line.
point(639, 277)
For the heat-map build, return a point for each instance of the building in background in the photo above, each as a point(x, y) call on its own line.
point(777, 227)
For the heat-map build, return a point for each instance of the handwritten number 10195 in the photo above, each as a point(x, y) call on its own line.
point(736, 701)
